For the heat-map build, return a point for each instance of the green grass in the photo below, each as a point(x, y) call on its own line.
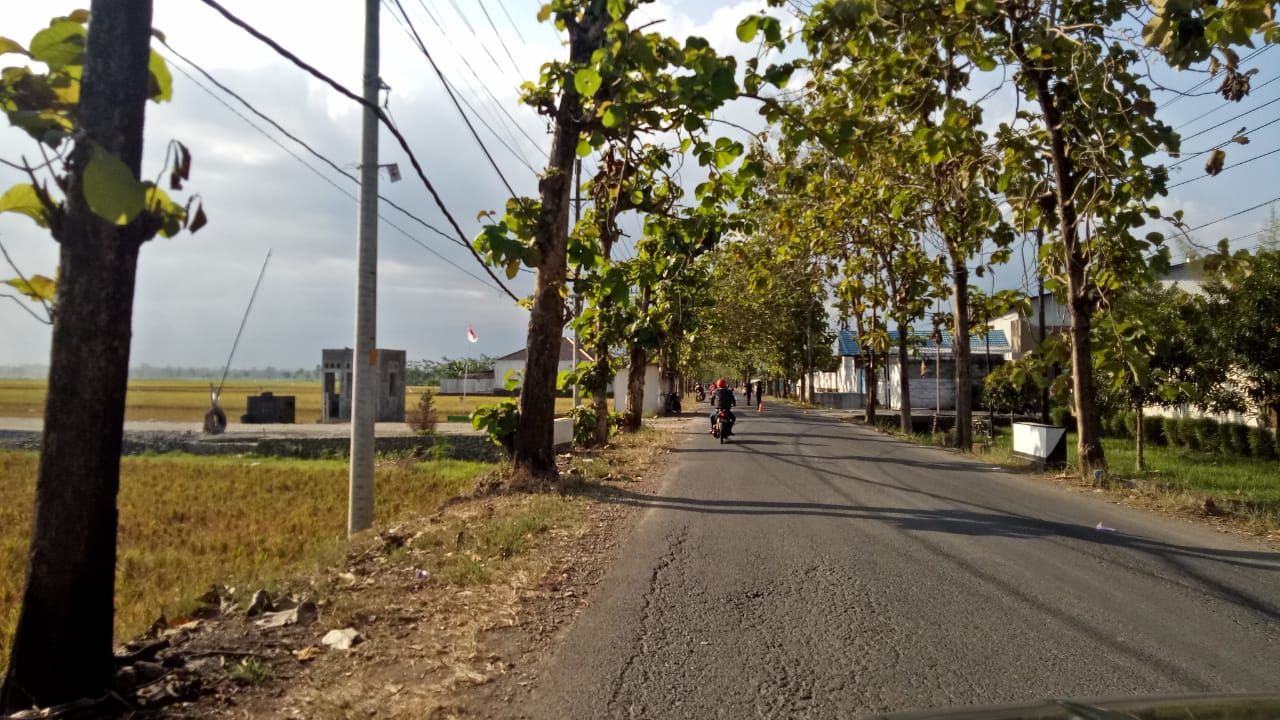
point(1253, 483)
point(188, 521)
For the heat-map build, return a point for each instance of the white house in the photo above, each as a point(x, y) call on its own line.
point(514, 362)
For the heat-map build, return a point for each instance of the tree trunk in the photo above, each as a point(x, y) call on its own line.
point(1139, 440)
point(639, 358)
point(600, 400)
point(869, 375)
point(960, 348)
point(1088, 441)
point(533, 452)
point(904, 407)
point(62, 645)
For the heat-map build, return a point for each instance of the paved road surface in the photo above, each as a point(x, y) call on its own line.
point(820, 570)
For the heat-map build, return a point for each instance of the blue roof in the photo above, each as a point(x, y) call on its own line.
point(848, 341)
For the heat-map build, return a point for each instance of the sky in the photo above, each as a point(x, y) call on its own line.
point(192, 289)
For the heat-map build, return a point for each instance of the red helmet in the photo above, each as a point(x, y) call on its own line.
point(721, 383)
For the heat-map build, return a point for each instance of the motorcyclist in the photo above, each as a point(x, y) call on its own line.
point(723, 399)
point(699, 392)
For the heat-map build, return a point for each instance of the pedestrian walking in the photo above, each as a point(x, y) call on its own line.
point(749, 383)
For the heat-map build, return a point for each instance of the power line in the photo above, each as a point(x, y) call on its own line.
point(412, 32)
point(1231, 119)
point(1242, 162)
point(320, 174)
point(483, 85)
point(1223, 144)
point(314, 153)
point(1184, 93)
point(1223, 106)
point(515, 27)
point(382, 116)
point(476, 35)
point(514, 65)
point(1235, 214)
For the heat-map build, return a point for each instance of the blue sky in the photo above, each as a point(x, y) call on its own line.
point(192, 289)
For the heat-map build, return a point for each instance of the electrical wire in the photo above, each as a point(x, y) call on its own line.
point(1238, 213)
point(476, 35)
point(382, 116)
point(1223, 106)
point(1184, 93)
point(283, 131)
point(514, 65)
point(1231, 119)
point(329, 180)
point(1235, 165)
point(515, 27)
point(457, 105)
point(456, 97)
point(483, 85)
point(1222, 144)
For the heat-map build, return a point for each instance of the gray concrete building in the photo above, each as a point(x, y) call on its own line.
point(336, 404)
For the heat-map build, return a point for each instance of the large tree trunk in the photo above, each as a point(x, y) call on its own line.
point(533, 452)
point(904, 407)
point(1139, 439)
point(600, 400)
point(1088, 441)
point(960, 347)
point(62, 647)
point(639, 358)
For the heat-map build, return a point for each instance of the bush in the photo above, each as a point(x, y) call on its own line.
point(1153, 429)
point(584, 425)
point(424, 417)
point(1062, 417)
point(1172, 428)
point(1208, 437)
point(1261, 443)
point(1235, 437)
point(499, 422)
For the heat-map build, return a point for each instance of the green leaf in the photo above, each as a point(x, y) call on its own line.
point(110, 188)
point(160, 83)
point(960, 5)
point(544, 12)
point(59, 45)
point(617, 8)
point(985, 63)
point(611, 117)
point(586, 81)
point(11, 46)
point(584, 147)
point(748, 28)
point(36, 287)
point(24, 200)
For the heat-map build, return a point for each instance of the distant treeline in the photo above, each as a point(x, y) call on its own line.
point(170, 372)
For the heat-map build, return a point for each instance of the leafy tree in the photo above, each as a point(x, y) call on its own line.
point(87, 109)
point(1244, 323)
point(617, 78)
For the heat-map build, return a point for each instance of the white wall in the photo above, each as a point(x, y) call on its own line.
point(475, 386)
point(502, 367)
point(652, 391)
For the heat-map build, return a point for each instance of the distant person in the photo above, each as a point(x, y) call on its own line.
point(760, 391)
point(748, 393)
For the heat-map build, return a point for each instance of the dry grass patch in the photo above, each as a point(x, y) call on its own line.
point(187, 522)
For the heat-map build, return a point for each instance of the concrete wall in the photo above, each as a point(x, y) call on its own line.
point(652, 391)
point(337, 383)
point(925, 387)
point(475, 386)
point(840, 400)
point(502, 367)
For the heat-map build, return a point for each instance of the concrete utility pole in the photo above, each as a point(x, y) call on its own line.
point(364, 407)
point(1044, 392)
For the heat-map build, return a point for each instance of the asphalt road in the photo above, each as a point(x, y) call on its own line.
point(814, 569)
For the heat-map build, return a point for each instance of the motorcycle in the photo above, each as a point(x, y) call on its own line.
point(671, 403)
point(723, 426)
point(700, 394)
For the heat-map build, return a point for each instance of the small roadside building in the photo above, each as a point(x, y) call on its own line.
point(336, 401)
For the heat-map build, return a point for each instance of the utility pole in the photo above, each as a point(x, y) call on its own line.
point(1044, 392)
point(577, 299)
point(364, 361)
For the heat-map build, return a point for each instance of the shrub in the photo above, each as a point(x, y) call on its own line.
point(1172, 428)
point(1261, 443)
point(1208, 437)
point(424, 417)
point(1130, 425)
point(1235, 438)
point(1061, 416)
point(1153, 429)
point(584, 425)
point(499, 422)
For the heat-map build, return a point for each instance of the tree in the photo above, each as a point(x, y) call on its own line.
point(617, 77)
point(94, 93)
point(1244, 319)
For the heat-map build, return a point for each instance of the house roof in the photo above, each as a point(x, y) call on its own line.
point(848, 341)
point(566, 354)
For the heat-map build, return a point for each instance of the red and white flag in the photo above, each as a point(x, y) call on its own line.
point(471, 334)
